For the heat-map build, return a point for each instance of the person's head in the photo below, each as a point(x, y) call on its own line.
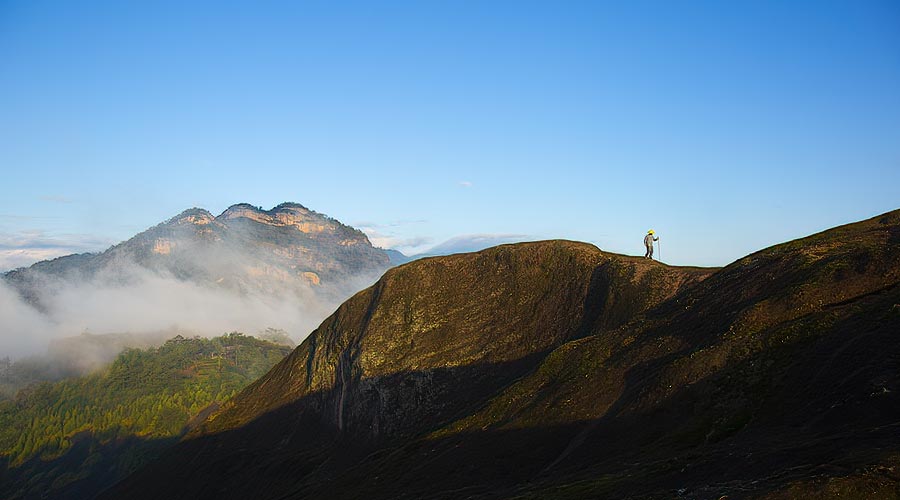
point(651, 232)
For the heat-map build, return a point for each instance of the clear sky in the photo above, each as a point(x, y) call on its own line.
point(725, 126)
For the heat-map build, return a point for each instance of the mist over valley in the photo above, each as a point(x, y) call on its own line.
point(245, 270)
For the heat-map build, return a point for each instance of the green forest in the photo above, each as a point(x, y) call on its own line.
point(151, 394)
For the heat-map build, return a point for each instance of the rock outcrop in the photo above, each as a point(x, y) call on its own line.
point(244, 248)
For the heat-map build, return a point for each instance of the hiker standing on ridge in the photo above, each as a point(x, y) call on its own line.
point(648, 242)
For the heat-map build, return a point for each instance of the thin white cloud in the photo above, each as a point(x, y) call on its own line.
point(40, 239)
point(466, 184)
point(13, 259)
point(475, 242)
point(392, 241)
point(396, 223)
point(27, 247)
point(28, 217)
point(395, 235)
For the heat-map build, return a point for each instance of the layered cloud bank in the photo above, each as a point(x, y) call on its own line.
point(136, 300)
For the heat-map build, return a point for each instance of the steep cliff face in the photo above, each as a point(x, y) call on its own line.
point(553, 370)
point(424, 320)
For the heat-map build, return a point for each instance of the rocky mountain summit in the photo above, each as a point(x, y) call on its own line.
point(245, 248)
point(555, 370)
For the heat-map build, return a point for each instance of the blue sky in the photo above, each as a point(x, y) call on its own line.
point(725, 126)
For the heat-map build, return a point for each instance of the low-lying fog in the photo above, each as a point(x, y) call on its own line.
point(139, 301)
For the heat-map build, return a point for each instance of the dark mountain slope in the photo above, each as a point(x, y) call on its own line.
point(500, 306)
point(782, 368)
point(432, 340)
point(550, 370)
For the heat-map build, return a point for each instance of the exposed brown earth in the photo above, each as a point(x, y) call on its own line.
point(554, 370)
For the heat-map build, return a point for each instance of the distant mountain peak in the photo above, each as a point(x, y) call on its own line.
point(253, 212)
point(289, 205)
point(192, 216)
point(238, 209)
point(245, 247)
point(295, 215)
